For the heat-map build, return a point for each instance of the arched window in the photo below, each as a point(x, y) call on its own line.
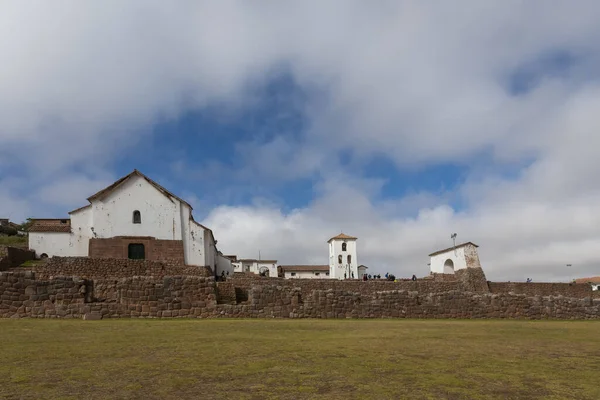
point(137, 217)
point(343, 246)
point(349, 259)
point(340, 259)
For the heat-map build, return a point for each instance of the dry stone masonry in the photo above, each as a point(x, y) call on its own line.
point(96, 289)
point(13, 257)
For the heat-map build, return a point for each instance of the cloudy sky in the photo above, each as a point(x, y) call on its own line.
point(399, 122)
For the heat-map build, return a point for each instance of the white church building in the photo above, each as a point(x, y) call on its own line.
point(449, 260)
point(134, 218)
point(343, 262)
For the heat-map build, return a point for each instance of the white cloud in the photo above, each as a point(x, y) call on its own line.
point(420, 83)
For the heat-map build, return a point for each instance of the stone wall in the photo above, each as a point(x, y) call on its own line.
point(111, 269)
point(578, 290)
point(27, 294)
point(428, 285)
point(225, 292)
point(155, 249)
point(21, 295)
point(12, 257)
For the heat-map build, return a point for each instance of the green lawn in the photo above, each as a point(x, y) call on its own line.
point(297, 359)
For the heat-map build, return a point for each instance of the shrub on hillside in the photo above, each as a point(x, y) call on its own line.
point(8, 230)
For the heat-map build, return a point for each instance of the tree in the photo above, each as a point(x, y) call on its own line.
point(26, 225)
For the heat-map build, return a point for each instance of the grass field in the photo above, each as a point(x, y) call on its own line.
point(17, 241)
point(296, 359)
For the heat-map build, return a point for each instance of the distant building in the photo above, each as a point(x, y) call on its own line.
point(593, 281)
point(305, 271)
point(449, 260)
point(362, 270)
point(343, 262)
point(259, 267)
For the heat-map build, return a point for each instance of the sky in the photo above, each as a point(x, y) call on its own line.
point(286, 123)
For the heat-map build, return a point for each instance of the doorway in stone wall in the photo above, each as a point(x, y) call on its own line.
point(449, 266)
point(136, 251)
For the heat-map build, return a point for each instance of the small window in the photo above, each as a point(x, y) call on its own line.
point(343, 246)
point(349, 259)
point(136, 251)
point(293, 274)
point(326, 273)
point(137, 217)
point(317, 273)
point(340, 259)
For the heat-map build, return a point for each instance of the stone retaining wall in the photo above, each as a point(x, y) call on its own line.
point(578, 290)
point(13, 256)
point(22, 295)
point(111, 268)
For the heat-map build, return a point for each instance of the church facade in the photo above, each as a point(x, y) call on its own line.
point(134, 218)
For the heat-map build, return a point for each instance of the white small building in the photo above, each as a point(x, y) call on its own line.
point(449, 260)
point(343, 263)
point(305, 271)
point(362, 271)
point(134, 217)
point(259, 267)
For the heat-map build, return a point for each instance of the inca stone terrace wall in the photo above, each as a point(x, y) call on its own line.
point(23, 294)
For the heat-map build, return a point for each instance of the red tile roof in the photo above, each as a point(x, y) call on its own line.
point(50, 225)
point(342, 236)
point(593, 279)
point(452, 248)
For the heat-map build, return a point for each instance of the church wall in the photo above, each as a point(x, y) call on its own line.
point(224, 265)
point(160, 216)
point(196, 248)
point(155, 249)
point(457, 256)
point(63, 244)
point(81, 222)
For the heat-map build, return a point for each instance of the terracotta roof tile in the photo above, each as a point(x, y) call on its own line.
point(342, 236)
point(593, 279)
point(50, 225)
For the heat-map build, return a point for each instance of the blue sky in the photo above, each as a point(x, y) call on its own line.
point(399, 123)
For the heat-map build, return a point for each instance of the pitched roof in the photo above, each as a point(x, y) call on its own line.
point(50, 225)
point(304, 268)
point(342, 236)
point(435, 253)
point(363, 266)
point(79, 209)
point(109, 189)
point(593, 279)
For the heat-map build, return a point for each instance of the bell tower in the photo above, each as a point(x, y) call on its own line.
point(343, 262)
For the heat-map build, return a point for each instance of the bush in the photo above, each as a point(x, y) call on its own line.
point(8, 230)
